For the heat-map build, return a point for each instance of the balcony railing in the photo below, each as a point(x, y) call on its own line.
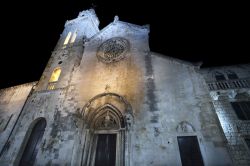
point(51, 85)
point(229, 84)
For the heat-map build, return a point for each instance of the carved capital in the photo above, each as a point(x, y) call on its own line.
point(232, 93)
point(215, 95)
point(129, 120)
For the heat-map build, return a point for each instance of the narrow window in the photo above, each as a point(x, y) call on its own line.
point(242, 109)
point(67, 38)
point(55, 75)
point(231, 75)
point(219, 76)
point(73, 38)
point(190, 151)
point(33, 144)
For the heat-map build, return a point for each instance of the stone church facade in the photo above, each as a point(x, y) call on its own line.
point(105, 99)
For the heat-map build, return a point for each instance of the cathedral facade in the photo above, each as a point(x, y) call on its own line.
point(105, 99)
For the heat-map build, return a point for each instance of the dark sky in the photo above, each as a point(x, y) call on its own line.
point(215, 33)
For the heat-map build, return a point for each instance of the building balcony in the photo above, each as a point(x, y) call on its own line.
point(229, 84)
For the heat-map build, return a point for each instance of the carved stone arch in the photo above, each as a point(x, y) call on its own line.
point(92, 117)
point(117, 103)
point(107, 113)
point(102, 95)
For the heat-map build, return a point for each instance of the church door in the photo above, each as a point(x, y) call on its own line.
point(105, 150)
point(32, 146)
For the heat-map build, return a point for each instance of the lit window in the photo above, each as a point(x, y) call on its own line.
point(67, 38)
point(51, 86)
point(55, 75)
point(73, 38)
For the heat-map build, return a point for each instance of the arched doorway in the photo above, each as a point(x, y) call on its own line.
point(106, 128)
point(107, 131)
point(32, 146)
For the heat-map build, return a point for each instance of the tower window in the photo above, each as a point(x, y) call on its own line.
point(242, 109)
point(67, 38)
point(73, 38)
point(55, 75)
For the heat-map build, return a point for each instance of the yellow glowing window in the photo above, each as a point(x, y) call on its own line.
point(51, 86)
point(73, 38)
point(55, 75)
point(67, 38)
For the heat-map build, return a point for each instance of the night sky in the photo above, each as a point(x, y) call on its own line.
point(215, 33)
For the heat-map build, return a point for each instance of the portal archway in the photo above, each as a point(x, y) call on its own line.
point(107, 125)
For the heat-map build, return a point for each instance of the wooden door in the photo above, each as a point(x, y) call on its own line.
point(106, 150)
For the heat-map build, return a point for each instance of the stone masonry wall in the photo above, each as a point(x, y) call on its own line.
point(168, 98)
point(12, 101)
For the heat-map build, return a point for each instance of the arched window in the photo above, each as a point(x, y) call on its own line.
point(73, 38)
point(219, 76)
point(54, 78)
point(55, 75)
point(66, 41)
point(231, 75)
point(33, 144)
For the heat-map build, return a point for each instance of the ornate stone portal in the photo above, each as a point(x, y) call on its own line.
point(107, 119)
point(113, 50)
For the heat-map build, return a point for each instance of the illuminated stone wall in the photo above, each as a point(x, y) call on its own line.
point(235, 130)
point(158, 98)
point(11, 102)
point(68, 56)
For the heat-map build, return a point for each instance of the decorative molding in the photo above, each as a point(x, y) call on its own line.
point(107, 121)
point(105, 118)
point(232, 94)
point(215, 95)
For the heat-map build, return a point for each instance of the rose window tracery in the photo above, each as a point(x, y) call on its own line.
point(113, 50)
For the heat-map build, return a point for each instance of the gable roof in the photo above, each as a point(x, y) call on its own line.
point(143, 28)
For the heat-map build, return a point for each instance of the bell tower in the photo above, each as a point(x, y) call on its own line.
point(69, 48)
